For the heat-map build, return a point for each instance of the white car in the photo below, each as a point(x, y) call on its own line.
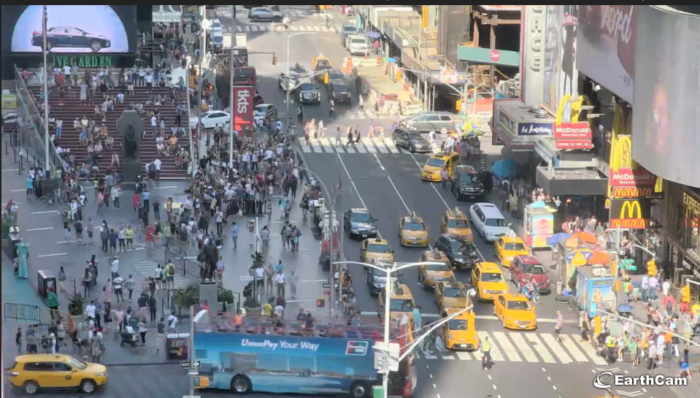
point(488, 221)
point(265, 110)
point(216, 26)
point(357, 44)
point(211, 119)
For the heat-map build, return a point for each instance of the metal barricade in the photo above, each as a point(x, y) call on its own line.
point(183, 264)
point(21, 312)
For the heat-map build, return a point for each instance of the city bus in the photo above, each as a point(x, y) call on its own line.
point(263, 355)
point(245, 76)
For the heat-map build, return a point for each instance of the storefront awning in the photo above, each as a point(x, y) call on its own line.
point(568, 182)
point(486, 56)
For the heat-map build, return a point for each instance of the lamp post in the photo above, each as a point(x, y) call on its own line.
point(289, 37)
point(44, 19)
point(390, 270)
point(231, 59)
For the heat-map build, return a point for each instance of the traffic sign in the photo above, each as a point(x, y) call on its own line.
point(628, 264)
point(246, 278)
point(326, 285)
point(495, 56)
point(186, 364)
point(386, 358)
point(193, 373)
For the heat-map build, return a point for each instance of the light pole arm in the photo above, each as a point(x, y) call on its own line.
point(432, 328)
point(665, 330)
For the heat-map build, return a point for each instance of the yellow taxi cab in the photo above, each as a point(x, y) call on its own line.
point(456, 224)
point(451, 294)
point(432, 170)
point(488, 280)
point(506, 248)
point(401, 302)
point(429, 275)
point(33, 373)
point(459, 333)
point(319, 65)
point(376, 250)
point(320, 60)
point(515, 311)
point(412, 231)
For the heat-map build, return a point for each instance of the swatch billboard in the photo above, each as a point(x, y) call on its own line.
point(605, 45)
point(666, 117)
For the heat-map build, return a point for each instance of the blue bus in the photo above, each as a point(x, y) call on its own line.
point(286, 363)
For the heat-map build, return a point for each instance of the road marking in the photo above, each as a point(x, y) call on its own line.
point(464, 356)
point(359, 146)
point(390, 145)
point(314, 281)
point(573, 350)
point(368, 144)
point(148, 268)
point(239, 28)
point(523, 347)
point(18, 190)
point(10, 170)
point(306, 149)
point(340, 159)
point(326, 145)
point(380, 145)
point(495, 352)
point(591, 352)
point(508, 348)
point(317, 148)
point(294, 28)
point(557, 349)
point(448, 357)
point(168, 187)
point(397, 192)
point(52, 255)
point(38, 229)
point(541, 349)
point(349, 148)
point(317, 28)
point(44, 212)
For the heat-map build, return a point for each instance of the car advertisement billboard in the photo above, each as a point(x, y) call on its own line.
point(605, 46)
point(560, 74)
point(243, 108)
point(89, 29)
point(667, 101)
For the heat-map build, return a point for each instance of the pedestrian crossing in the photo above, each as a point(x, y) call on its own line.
point(523, 347)
point(280, 29)
point(148, 269)
point(365, 145)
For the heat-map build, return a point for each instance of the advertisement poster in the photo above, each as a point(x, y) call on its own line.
point(72, 29)
point(606, 42)
point(542, 229)
point(243, 109)
point(560, 73)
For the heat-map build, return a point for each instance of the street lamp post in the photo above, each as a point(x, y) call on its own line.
point(389, 271)
point(232, 100)
point(289, 37)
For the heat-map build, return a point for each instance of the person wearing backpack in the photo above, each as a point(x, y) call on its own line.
point(170, 275)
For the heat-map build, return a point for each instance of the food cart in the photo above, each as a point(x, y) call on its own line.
point(327, 255)
point(595, 289)
point(539, 224)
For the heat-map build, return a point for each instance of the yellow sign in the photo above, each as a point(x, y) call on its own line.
point(424, 16)
point(627, 215)
point(631, 206)
point(691, 204)
point(575, 108)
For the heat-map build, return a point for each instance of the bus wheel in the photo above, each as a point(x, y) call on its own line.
point(240, 384)
point(359, 390)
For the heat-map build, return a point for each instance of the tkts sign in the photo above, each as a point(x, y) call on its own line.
point(243, 109)
point(630, 213)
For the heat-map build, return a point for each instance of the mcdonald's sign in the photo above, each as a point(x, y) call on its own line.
point(623, 170)
point(630, 213)
point(632, 192)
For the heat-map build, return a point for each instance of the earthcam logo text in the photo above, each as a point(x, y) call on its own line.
point(607, 380)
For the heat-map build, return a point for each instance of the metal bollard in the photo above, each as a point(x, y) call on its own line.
point(19, 169)
point(7, 149)
point(14, 154)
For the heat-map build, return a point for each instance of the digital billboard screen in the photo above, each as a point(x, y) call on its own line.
point(89, 29)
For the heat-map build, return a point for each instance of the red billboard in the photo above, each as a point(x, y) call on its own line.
point(626, 177)
point(573, 131)
point(243, 108)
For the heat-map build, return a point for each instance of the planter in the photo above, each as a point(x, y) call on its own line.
point(78, 319)
point(253, 310)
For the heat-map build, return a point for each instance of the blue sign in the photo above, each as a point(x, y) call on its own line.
point(535, 129)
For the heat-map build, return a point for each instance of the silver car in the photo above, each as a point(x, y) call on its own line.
point(264, 14)
point(426, 121)
point(411, 140)
point(347, 30)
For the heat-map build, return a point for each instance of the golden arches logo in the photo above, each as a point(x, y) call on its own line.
point(622, 154)
point(575, 108)
point(631, 206)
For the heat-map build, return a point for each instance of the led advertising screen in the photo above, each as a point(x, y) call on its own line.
point(88, 29)
point(666, 113)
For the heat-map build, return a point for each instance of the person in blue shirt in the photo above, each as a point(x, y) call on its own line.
point(278, 266)
point(234, 235)
point(30, 186)
point(145, 195)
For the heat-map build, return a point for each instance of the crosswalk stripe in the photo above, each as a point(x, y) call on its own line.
point(348, 148)
point(148, 268)
point(360, 147)
point(295, 28)
point(325, 29)
point(317, 148)
point(317, 28)
point(368, 144)
point(508, 348)
point(464, 356)
point(239, 28)
point(390, 145)
point(589, 350)
point(540, 348)
point(523, 347)
point(573, 350)
point(557, 349)
point(428, 356)
point(254, 28)
point(380, 145)
point(305, 148)
point(495, 352)
point(326, 145)
point(263, 28)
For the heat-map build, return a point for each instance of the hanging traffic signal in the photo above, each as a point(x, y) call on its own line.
point(320, 302)
point(651, 267)
point(274, 59)
point(325, 78)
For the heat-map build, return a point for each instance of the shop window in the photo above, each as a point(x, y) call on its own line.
point(694, 243)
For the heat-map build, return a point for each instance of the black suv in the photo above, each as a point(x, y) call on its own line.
point(461, 254)
point(360, 223)
point(339, 91)
point(465, 183)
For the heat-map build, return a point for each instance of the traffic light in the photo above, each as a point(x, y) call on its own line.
point(320, 302)
point(651, 267)
point(274, 59)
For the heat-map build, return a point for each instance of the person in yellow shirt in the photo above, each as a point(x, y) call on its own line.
point(129, 237)
point(267, 310)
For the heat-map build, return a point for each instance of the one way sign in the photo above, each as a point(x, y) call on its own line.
point(186, 364)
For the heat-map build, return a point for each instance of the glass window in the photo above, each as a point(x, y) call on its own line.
point(459, 246)
point(468, 178)
point(39, 366)
point(413, 135)
point(516, 246)
point(76, 364)
point(323, 62)
point(378, 248)
point(518, 305)
point(414, 226)
point(340, 88)
point(360, 217)
point(399, 305)
point(307, 87)
point(495, 222)
point(435, 162)
point(441, 267)
point(457, 224)
point(492, 277)
point(62, 367)
point(534, 269)
point(445, 118)
point(457, 324)
point(455, 292)
point(433, 118)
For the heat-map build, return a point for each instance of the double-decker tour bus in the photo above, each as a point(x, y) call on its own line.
point(296, 356)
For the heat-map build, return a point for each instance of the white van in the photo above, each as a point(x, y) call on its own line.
point(357, 44)
point(489, 221)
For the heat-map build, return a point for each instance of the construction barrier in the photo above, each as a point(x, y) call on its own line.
point(347, 65)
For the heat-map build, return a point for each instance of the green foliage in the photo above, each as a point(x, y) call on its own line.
point(225, 296)
point(76, 304)
point(186, 297)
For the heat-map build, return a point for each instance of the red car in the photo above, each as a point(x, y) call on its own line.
point(524, 268)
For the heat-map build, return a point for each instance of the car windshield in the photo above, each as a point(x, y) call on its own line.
point(340, 89)
point(435, 162)
point(491, 277)
point(382, 279)
point(361, 217)
point(458, 247)
point(261, 108)
point(414, 226)
point(378, 248)
point(401, 305)
point(495, 222)
point(307, 87)
point(441, 268)
point(358, 41)
point(349, 29)
point(457, 324)
point(323, 62)
point(518, 305)
point(457, 224)
point(75, 364)
point(534, 269)
point(516, 246)
point(455, 292)
point(468, 178)
point(413, 135)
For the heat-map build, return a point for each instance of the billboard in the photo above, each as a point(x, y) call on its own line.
point(532, 29)
point(167, 13)
point(605, 46)
point(666, 115)
point(560, 54)
point(630, 213)
point(623, 170)
point(243, 108)
point(88, 29)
